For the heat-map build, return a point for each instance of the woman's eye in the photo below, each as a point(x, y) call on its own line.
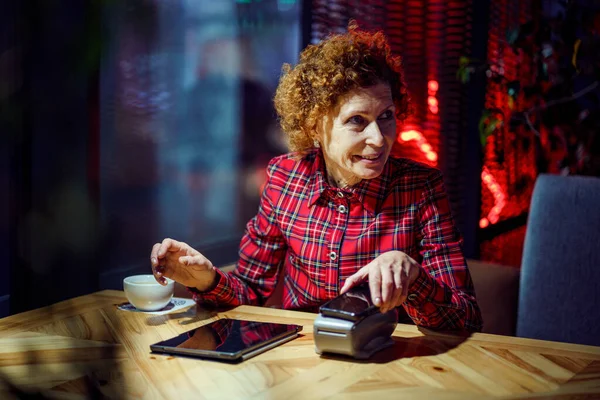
point(356, 120)
point(387, 115)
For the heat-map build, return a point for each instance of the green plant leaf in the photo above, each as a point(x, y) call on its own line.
point(463, 74)
point(484, 116)
point(488, 123)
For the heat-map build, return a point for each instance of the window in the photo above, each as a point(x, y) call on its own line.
point(187, 121)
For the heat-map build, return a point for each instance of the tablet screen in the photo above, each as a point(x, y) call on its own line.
point(226, 338)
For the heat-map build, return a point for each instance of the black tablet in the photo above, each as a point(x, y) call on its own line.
point(229, 340)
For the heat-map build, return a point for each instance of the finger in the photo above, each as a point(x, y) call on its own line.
point(161, 279)
point(154, 255)
point(398, 284)
point(404, 292)
point(169, 245)
point(387, 288)
point(157, 269)
point(159, 275)
point(375, 285)
point(167, 269)
point(355, 279)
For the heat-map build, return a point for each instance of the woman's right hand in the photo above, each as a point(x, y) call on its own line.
point(180, 262)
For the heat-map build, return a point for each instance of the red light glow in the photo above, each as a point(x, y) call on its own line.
point(431, 156)
point(499, 198)
point(422, 144)
point(432, 86)
point(432, 101)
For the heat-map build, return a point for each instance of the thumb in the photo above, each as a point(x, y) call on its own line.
point(355, 279)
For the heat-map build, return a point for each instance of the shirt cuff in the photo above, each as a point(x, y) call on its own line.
point(422, 290)
point(218, 294)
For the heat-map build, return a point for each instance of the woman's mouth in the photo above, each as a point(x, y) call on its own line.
point(369, 158)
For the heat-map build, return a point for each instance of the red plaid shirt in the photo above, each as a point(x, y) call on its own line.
point(320, 235)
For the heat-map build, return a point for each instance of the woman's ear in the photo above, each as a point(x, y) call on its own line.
point(312, 133)
point(318, 133)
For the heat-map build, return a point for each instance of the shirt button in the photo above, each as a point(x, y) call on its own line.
point(412, 296)
point(342, 209)
point(331, 204)
point(340, 194)
point(332, 256)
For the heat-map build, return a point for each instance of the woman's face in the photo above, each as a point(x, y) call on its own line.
point(357, 135)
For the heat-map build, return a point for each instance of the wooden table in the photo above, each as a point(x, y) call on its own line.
point(75, 345)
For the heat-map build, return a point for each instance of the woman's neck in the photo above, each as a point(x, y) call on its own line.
point(338, 177)
point(339, 180)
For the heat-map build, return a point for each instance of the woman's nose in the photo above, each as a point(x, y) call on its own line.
point(374, 135)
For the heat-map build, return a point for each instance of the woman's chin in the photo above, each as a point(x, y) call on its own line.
point(369, 173)
point(368, 170)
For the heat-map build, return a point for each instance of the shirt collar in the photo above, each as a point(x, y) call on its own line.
point(317, 181)
point(369, 192)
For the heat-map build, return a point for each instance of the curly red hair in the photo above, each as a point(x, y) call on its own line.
point(329, 70)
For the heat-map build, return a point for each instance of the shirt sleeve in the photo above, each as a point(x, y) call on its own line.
point(442, 296)
point(262, 251)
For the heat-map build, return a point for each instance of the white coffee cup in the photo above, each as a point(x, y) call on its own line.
point(146, 294)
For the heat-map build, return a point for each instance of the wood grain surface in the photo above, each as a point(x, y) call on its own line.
point(86, 346)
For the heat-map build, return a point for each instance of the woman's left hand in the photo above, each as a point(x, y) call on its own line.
point(390, 275)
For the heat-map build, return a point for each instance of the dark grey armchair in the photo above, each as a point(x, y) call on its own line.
point(559, 296)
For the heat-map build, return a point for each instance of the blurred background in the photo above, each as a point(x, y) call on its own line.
point(125, 122)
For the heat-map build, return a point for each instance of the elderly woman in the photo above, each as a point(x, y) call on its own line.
point(338, 210)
